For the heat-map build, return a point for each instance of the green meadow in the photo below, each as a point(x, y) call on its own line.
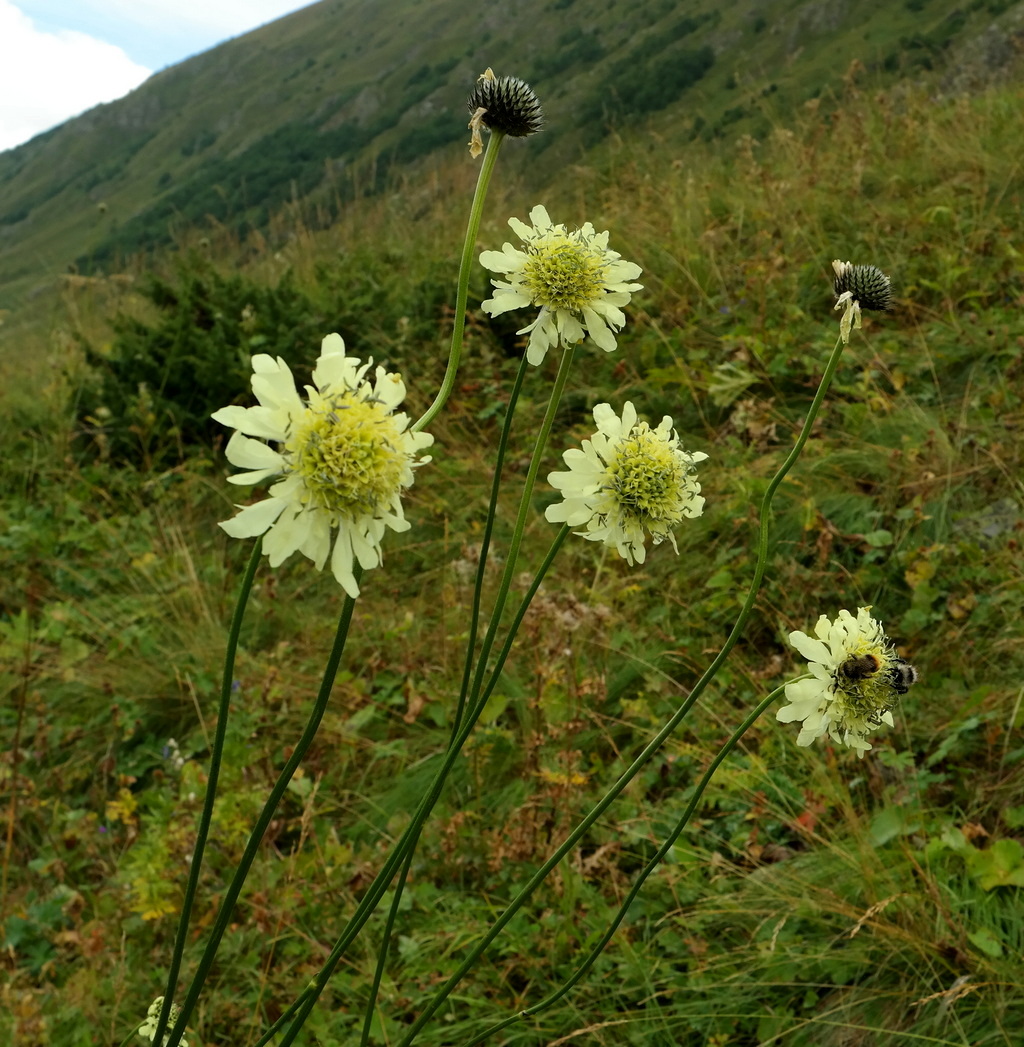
point(814, 898)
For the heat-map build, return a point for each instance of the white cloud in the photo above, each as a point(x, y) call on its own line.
point(174, 29)
point(48, 76)
point(224, 16)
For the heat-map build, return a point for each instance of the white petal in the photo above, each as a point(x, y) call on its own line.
point(317, 543)
point(247, 453)
point(598, 330)
point(254, 519)
point(507, 260)
point(341, 563)
point(539, 217)
point(290, 531)
point(268, 423)
point(813, 650)
point(332, 345)
point(503, 301)
point(273, 384)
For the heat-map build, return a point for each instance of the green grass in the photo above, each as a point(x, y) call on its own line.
point(815, 899)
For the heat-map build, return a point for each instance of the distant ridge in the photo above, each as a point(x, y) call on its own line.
point(293, 109)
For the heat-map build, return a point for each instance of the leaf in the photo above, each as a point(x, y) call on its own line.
point(986, 940)
point(890, 823)
point(1001, 865)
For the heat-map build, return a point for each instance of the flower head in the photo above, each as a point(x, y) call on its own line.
point(859, 287)
point(578, 283)
point(147, 1030)
point(342, 455)
point(627, 479)
point(505, 104)
point(856, 681)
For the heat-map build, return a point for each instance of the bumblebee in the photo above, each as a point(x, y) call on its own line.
point(860, 667)
point(901, 675)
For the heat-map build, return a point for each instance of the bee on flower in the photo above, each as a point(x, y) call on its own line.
point(856, 680)
point(342, 458)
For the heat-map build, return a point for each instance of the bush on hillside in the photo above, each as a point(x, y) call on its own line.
point(150, 393)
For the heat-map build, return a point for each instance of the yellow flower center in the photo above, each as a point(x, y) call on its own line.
point(564, 272)
point(348, 452)
point(648, 476)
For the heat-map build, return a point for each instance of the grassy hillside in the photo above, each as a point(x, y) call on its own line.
point(338, 99)
point(816, 899)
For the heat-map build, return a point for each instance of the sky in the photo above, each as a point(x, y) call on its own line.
point(59, 58)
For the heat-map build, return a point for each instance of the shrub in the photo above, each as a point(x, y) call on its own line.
point(149, 396)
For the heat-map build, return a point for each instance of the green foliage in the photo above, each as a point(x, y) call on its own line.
point(151, 392)
point(815, 898)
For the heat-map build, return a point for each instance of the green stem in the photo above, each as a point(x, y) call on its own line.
point(652, 747)
point(651, 865)
point(256, 838)
point(302, 1006)
point(468, 249)
point(206, 816)
point(474, 623)
point(485, 543)
point(525, 505)
point(382, 953)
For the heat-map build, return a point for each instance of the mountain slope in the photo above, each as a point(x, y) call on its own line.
point(331, 99)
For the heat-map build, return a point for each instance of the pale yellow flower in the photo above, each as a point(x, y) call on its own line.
point(627, 481)
point(343, 457)
point(856, 681)
point(579, 284)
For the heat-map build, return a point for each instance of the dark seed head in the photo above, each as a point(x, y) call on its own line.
point(509, 104)
point(867, 285)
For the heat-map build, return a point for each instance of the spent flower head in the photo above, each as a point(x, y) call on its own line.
point(579, 284)
point(343, 457)
point(147, 1030)
point(626, 480)
point(859, 287)
point(856, 681)
point(506, 105)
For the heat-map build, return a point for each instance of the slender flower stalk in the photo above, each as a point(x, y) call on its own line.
point(660, 737)
point(164, 1014)
point(234, 888)
point(460, 711)
point(300, 1008)
point(477, 700)
point(462, 291)
point(507, 106)
point(657, 858)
